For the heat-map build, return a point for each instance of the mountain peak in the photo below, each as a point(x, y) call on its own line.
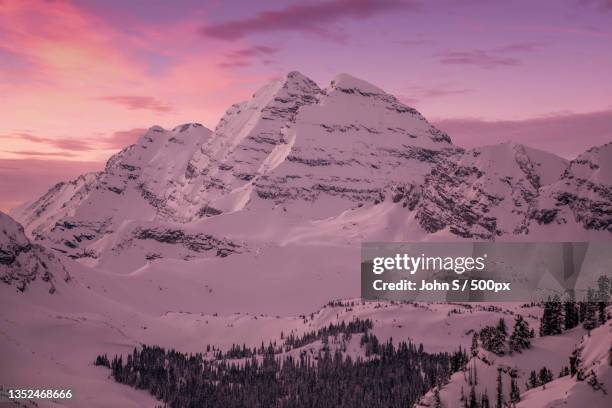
point(297, 76)
point(349, 84)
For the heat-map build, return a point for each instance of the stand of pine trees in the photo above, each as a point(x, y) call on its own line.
point(591, 312)
point(290, 342)
point(395, 377)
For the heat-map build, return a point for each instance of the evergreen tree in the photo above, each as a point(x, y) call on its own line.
point(575, 361)
point(484, 401)
point(603, 288)
point(473, 401)
point(571, 314)
point(552, 318)
point(493, 340)
point(602, 312)
point(474, 347)
point(520, 338)
point(533, 380)
point(590, 320)
point(499, 398)
point(582, 311)
point(501, 326)
point(102, 361)
point(545, 376)
point(515, 393)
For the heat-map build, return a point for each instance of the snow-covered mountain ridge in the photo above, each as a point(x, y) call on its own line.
point(300, 161)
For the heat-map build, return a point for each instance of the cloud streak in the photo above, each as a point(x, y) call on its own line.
point(569, 133)
point(418, 94)
point(603, 5)
point(502, 56)
point(304, 18)
point(29, 153)
point(137, 102)
point(70, 146)
point(246, 56)
point(60, 143)
point(479, 58)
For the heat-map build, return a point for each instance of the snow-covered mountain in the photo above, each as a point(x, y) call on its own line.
point(317, 162)
point(237, 235)
point(23, 263)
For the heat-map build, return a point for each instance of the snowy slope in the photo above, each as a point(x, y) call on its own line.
point(552, 352)
point(593, 390)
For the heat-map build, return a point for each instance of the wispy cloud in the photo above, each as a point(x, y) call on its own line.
point(137, 102)
point(60, 143)
point(30, 153)
point(246, 56)
point(305, 17)
point(416, 94)
point(569, 133)
point(477, 58)
point(414, 42)
point(502, 56)
point(71, 146)
point(604, 5)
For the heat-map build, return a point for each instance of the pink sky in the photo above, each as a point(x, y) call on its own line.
point(79, 80)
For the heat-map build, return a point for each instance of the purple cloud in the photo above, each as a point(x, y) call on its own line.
point(117, 140)
point(137, 102)
point(496, 57)
point(604, 5)
point(478, 58)
point(414, 42)
point(60, 143)
point(310, 17)
point(520, 47)
point(42, 154)
point(245, 56)
point(418, 93)
point(567, 134)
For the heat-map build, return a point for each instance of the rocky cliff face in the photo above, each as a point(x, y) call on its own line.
point(23, 263)
point(488, 192)
point(582, 194)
